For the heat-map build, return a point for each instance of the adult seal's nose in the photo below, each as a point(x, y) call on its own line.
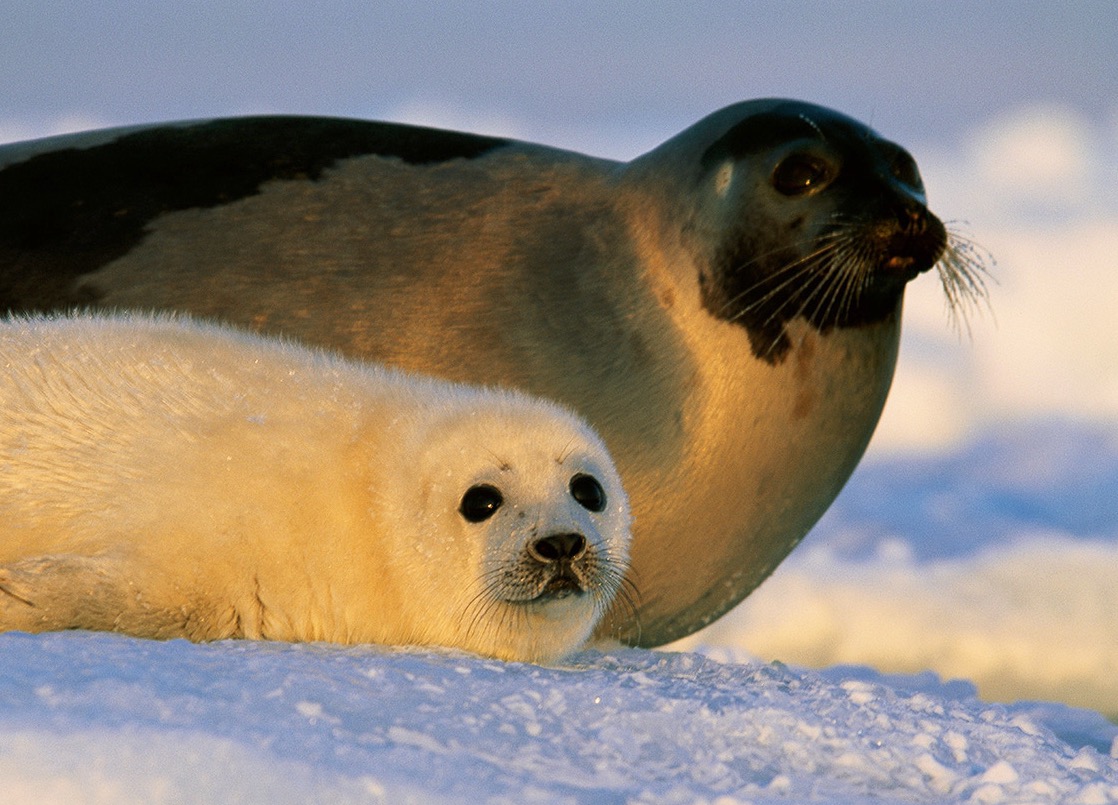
point(559, 547)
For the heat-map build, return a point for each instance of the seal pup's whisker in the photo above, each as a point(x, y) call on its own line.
point(565, 453)
point(627, 601)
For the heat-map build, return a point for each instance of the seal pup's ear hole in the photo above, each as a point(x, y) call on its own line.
point(480, 502)
point(801, 174)
point(589, 494)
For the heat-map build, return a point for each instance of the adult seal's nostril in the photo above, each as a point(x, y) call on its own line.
point(559, 547)
point(913, 220)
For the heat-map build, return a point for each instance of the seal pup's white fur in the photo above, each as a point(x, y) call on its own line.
point(169, 478)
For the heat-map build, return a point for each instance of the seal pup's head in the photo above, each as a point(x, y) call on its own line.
point(806, 213)
point(526, 511)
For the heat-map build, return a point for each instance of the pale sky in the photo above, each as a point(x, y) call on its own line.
point(621, 75)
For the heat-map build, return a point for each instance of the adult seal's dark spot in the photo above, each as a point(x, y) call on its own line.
point(724, 309)
point(78, 208)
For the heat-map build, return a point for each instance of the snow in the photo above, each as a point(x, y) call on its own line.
point(105, 718)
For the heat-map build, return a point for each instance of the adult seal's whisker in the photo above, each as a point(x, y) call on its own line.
point(963, 274)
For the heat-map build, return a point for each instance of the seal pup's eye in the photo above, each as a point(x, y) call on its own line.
point(588, 492)
point(801, 174)
point(480, 502)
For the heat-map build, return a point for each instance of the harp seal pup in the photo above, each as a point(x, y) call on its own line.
point(169, 478)
point(724, 309)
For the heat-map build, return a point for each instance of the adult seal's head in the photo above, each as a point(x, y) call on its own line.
point(724, 310)
point(803, 214)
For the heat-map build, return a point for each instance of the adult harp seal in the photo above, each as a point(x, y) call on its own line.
point(724, 309)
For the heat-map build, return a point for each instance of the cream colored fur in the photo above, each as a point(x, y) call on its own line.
point(168, 478)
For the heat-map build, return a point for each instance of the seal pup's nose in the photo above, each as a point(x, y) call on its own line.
point(558, 547)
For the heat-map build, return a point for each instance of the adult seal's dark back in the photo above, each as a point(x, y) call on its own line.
point(725, 309)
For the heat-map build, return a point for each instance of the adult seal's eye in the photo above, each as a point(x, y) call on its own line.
point(801, 174)
point(480, 502)
point(589, 494)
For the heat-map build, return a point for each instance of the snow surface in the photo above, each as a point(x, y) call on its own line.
point(105, 718)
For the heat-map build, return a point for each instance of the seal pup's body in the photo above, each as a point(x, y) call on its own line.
point(166, 478)
point(724, 310)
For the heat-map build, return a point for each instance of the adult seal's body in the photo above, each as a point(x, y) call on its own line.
point(725, 309)
point(165, 478)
